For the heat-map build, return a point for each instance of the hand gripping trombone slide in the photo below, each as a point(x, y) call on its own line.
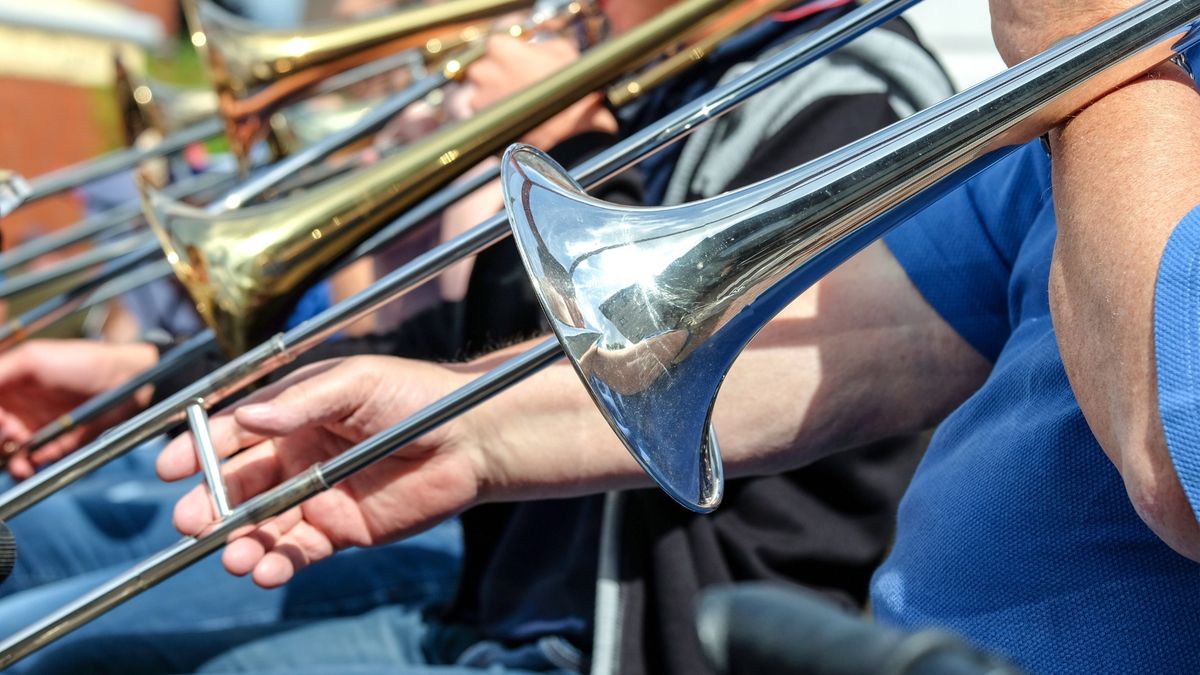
point(822, 212)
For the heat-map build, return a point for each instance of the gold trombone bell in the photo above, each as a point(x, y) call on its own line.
point(256, 71)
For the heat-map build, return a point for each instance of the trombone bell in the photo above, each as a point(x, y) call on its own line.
point(639, 301)
point(255, 72)
point(147, 105)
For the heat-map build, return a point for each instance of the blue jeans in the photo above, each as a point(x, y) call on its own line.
point(118, 514)
point(394, 640)
point(100, 526)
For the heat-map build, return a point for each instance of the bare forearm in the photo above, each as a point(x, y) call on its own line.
point(858, 358)
point(1122, 183)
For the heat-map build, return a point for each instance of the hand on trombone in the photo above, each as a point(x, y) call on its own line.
point(545, 438)
point(865, 323)
point(45, 379)
point(311, 416)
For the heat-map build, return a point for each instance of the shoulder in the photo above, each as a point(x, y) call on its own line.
point(878, 78)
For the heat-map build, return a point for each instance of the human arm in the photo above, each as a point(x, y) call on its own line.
point(857, 358)
point(1120, 187)
point(1119, 194)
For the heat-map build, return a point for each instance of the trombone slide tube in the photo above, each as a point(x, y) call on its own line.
point(73, 265)
point(118, 219)
point(56, 308)
point(281, 349)
point(89, 170)
point(168, 365)
point(271, 503)
point(127, 282)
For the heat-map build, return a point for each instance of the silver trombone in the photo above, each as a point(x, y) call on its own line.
point(789, 231)
point(284, 347)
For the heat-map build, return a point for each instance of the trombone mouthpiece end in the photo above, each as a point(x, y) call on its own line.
point(13, 191)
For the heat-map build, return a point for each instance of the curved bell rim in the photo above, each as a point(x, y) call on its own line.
point(135, 117)
point(236, 274)
point(625, 317)
point(256, 71)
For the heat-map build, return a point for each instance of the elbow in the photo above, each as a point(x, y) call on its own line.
point(1160, 502)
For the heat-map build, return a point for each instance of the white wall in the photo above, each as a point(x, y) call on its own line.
point(959, 32)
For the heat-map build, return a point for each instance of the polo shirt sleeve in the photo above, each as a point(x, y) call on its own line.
point(1177, 351)
point(960, 251)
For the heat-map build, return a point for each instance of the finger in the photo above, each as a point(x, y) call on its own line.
point(13, 431)
point(328, 397)
point(244, 553)
point(179, 460)
point(298, 548)
point(57, 449)
point(17, 363)
point(255, 470)
point(19, 466)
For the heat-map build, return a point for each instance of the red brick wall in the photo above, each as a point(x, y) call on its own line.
point(46, 125)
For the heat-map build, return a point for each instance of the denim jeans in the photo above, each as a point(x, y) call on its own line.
point(99, 527)
point(393, 640)
point(118, 514)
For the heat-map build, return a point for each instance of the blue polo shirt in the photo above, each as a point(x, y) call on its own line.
point(1017, 531)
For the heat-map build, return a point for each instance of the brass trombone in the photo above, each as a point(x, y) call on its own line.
point(153, 106)
point(255, 72)
point(127, 256)
point(246, 268)
point(789, 231)
point(130, 272)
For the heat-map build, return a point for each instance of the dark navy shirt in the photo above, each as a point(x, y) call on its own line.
point(1017, 531)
